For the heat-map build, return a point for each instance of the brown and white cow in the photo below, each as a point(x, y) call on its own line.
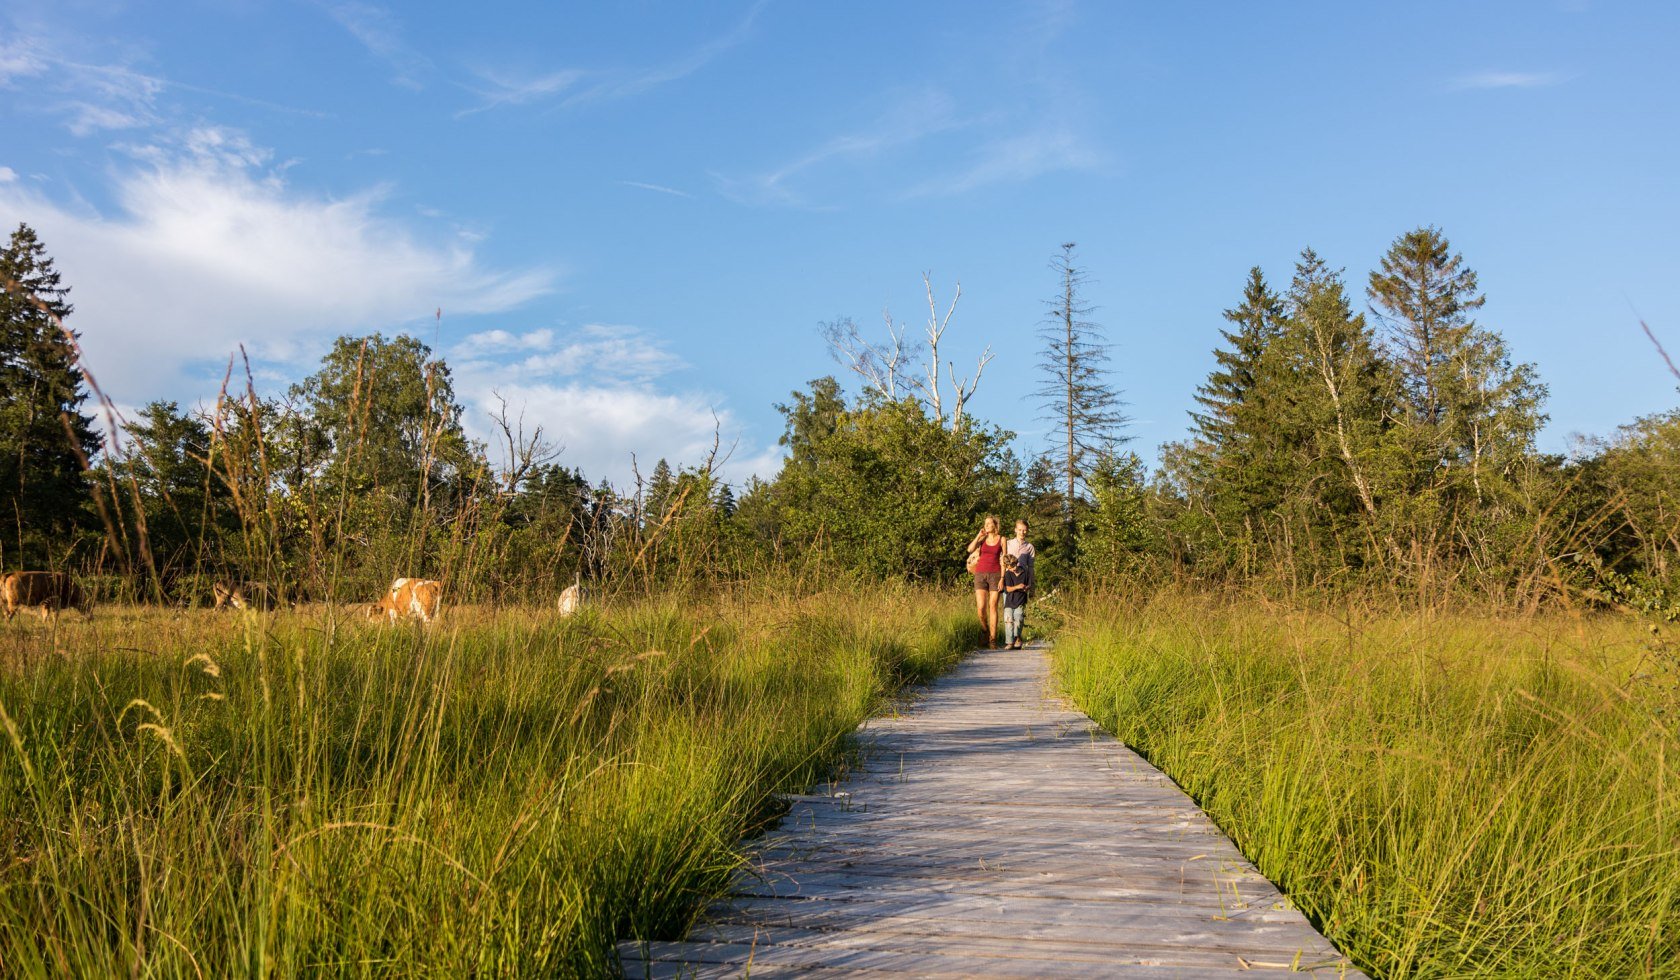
point(243, 595)
point(417, 597)
point(47, 592)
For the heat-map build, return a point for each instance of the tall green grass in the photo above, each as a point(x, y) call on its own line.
point(183, 794)
point(1444, 796)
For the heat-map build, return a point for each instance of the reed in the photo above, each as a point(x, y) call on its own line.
point(190, 794)
point(1445, 795)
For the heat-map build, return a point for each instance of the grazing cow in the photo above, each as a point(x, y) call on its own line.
point(417, 597)
point(48, 592)
point(243, 595)
point(570, 599)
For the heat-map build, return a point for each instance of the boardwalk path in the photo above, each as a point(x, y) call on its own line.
point(993, 831)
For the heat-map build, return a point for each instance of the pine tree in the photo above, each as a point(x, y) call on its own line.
point(1077, 398)
point(46, 442)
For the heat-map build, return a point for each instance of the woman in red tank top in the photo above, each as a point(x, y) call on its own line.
point(987, 547)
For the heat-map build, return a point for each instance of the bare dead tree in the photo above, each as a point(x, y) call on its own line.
point(964, 389)
point(524, 453)
point(896, 368)
point(882, 366)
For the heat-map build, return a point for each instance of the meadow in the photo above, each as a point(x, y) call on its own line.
point(188, 794)
point(1472, 793)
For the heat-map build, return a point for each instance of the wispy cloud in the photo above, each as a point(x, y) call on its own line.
point(272, 268)
point(577, 86)
point(659, 188)
point(20, 57)
point(1016, 158)
point(909, 120)
point(1507, 79)
point(622, 86)
point(1008, 113)
point(379, 31)
point(89, 97)
point(500, 88)
point(602, 352)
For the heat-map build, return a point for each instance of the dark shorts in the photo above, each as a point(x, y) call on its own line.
point(988, 581)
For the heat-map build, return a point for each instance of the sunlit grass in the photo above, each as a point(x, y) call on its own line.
point(507, 793)
point(1445, 796)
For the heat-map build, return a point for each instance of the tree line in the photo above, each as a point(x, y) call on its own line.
point(1339, 441)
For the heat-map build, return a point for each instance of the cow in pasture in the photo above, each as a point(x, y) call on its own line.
point(417, 597)
point(48, 592)
point(570, 600)
point(243, 595)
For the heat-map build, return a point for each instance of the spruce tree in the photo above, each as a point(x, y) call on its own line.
point(1077, 397)
point(46, 441)
point(1341, 383)
point(1235, 463)
point(1258, 319)
point(1424, 295)
point(1472, 407)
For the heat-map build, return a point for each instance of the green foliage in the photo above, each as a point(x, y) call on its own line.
point(384, 421)
point(1115, 536)
point(1323, 452)
point(883, 488)
point(46, 441)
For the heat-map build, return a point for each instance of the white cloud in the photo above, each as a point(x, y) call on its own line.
point(7, 175)
point(1507, 79)
point(600, 427)
point(20, 57)
point(603, 392)
point(205, 251)
point(599, 353)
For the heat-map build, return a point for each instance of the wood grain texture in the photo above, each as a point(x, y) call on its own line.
point(991, 830)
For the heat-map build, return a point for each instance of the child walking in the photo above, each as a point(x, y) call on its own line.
point(1017, 579)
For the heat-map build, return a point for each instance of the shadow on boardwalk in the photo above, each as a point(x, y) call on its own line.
point(993, 831)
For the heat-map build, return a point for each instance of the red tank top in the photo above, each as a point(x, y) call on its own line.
point(990, 557)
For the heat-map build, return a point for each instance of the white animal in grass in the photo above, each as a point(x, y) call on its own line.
point(571, 599)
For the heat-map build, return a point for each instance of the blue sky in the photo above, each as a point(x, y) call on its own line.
point(634, 216)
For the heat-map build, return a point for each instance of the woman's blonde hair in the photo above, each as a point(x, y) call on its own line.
point(992, 519)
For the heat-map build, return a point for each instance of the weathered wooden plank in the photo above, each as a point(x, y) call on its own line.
point(992, 831)
point(737, 959)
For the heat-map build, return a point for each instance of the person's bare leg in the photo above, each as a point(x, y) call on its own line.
point(992, 618)
point(980, 606)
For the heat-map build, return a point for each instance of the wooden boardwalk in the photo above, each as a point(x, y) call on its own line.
point(994, 831)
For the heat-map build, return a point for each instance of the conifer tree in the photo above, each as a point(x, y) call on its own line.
point(1340, 380)
point(1471, 406)
point(1077, 397)
point(46, 441)
point(1424, 295)
point(1229, 389)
